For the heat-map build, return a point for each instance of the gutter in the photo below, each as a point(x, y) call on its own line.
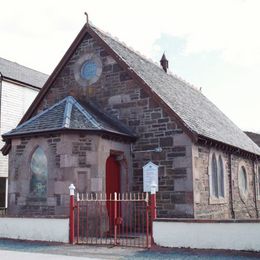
point(103, 132)
point(20, 83)
point(204, 140)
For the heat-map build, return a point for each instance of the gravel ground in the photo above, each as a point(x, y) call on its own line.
point(98, 252)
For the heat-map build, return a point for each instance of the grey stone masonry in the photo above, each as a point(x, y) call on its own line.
point(71, 158)
point(234, 204)
point(185, 182)
point(122, 97)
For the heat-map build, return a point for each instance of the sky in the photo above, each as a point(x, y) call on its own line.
point(212, 44)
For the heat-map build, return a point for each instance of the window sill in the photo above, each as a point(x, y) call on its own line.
point(214, 200)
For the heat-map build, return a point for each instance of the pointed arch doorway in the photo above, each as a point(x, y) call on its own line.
point(113, 185)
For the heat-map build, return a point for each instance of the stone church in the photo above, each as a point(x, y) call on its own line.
point(105, 112)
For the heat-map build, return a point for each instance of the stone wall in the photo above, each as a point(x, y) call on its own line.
point(73, 158)
point(244, 206)
point(234, 205)
point(122, 97)
point(35, 229)
point(202, 206)
point(207, 234)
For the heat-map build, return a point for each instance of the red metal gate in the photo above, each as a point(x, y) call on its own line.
point(120, 219)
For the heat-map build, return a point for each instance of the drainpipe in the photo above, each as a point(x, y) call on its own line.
point(255, 181)
point(231, 188)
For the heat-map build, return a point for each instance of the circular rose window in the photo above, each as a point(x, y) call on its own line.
point(88, 69)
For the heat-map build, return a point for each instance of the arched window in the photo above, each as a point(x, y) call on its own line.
point(217, 177)
point(39, 173)
point(243, 180)
point(220, 177)
point(214, 175)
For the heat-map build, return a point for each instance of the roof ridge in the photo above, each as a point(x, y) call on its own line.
point(115, 38)
point(87, 115)
point(146, 58)
point(67, 111)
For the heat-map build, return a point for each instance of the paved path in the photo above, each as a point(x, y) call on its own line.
point(15, 255)
point(14, 250)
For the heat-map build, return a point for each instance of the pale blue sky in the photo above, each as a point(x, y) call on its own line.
point(213, 44)
point(230, 86)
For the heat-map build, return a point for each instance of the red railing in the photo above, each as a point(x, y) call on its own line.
point(118, 219)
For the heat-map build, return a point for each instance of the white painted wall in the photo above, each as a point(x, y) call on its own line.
point(15, 100)
point(41, 229)
point(235, 236)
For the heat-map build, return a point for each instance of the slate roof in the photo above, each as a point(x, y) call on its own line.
point(70, 114)
point(255, 137)
point(196, 111)
point(15, 71)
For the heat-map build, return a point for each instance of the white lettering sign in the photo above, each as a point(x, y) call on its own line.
point(150, 176)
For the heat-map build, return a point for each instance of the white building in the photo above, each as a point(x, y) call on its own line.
point(19, 86)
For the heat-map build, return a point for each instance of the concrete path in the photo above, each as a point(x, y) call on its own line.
point(15, 255)
point(14, 250)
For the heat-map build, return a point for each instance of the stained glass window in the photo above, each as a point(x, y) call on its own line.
point(88, 69)
point(39, 173)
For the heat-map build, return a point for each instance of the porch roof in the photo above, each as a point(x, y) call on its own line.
point(71, 115)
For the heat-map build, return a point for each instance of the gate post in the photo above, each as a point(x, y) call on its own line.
point(115, 217)
point(153, 201)
point(71, 225)
point(153, 208)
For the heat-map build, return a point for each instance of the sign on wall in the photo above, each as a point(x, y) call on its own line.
point(150, 176)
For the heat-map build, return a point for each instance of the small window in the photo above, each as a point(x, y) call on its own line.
point(214, 176)
point(39, 174)
point(243, 180)
point(217, 178)
point(220, 177)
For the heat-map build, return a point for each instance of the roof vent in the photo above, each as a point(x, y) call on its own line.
point(164, 63)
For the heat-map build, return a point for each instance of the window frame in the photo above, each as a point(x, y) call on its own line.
point(31, 194)
point(243, 194)
point(217, 198)
point(221, 174)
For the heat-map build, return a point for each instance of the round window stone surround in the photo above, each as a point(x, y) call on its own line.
point(243, 181)
point(88, 69)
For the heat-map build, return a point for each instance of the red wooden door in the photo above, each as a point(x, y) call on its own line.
point(112, 186)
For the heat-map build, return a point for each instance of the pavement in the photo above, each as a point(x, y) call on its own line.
point(13, 255)
point(16, 249)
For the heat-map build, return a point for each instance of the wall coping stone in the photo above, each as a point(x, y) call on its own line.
point(191, 220)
